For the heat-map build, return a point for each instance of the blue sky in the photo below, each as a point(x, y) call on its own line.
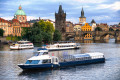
point(102, 11)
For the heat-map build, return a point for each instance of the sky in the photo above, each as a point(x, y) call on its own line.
point(102, 11)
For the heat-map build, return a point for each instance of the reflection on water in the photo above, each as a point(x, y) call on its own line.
point(110, 70)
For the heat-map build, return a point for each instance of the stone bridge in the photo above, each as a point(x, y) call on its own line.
point(97, 35)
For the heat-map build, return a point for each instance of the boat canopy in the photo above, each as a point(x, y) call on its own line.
point(81, 55)
point(97, 54)
point(41, 57)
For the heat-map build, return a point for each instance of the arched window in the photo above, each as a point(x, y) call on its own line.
point(23, 18)
point(20, 18)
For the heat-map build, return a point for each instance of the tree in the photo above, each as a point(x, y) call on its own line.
point(57, 35)
point(111, 29)
point(98, 29)
point(25, 33)
point(1, 32)
point(40, 32)
point(47, 37)
point(46, 26)
point(35, 33)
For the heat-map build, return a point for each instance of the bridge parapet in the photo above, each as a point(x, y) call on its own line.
point(96, 34)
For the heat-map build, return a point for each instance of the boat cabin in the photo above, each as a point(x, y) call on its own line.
point(43, 59)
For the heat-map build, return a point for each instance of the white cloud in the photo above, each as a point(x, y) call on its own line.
point(90, 1)
point(115, 6)
point(31, 18)
point(8, 17)
point(100, 18)
point(72, 19)
point(0, 14)
point(112, 23)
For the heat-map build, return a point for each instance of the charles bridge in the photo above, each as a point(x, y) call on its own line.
point(97, 35)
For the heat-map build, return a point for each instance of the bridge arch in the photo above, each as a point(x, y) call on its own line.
point(106, 36)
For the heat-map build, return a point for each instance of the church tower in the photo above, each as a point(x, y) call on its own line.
point(20, 15)
point(60, 19)
point(82, 18)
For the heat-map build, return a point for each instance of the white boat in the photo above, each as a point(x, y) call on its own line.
point(62, 46)
point(22, 45)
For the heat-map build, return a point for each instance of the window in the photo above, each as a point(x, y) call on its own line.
point(46, 61)
point(20, 18)
point(23, 18)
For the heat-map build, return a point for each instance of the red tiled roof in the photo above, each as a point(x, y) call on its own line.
point(3, 20)
point(15, 20)
point(79, 24)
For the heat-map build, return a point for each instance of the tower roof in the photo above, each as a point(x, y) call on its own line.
point(82, 13)
point(93, 21)
point(20, 11)
point(60, 9)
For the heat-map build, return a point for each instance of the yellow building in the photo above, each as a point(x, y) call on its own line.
point(87, 27)
point(6, 26)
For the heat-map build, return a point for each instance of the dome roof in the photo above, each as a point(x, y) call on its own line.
point(20, 11)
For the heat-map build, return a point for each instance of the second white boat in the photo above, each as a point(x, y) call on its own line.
point(62, 46)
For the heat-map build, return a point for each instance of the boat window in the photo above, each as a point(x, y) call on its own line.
point(56, 60)
point(45, 53)
point(46, 61)
point(32, 61)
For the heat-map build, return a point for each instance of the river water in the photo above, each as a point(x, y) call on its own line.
point(110, 70)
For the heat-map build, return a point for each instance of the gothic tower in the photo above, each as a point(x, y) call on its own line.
point(60, 19)
point(82, 18)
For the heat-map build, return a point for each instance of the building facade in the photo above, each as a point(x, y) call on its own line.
point(103, 26)
point(82, 18)
point(6, 26)
point(60, 20)
point(87, 27)
point(69, 26)
point(77, 27)
point(93, 24)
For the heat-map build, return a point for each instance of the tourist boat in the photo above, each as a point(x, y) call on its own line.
point(22, 45)
point(62, 46)
point(48, 62)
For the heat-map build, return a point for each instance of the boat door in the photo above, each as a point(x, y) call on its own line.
point(55, 60)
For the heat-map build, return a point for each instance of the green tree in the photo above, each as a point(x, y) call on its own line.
point(40, 32)
point(1, 32)
point(46, 26)
point(57, 35)
point(98, 29)
point(111, 29)
point(47, 37)
point(35, 33)
point(25, 33)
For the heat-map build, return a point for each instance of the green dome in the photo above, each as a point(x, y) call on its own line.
point(20, 11)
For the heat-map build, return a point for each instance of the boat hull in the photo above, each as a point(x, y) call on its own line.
point(60, 65)
point(19, 48)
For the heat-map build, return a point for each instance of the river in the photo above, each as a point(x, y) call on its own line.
point(110, 70)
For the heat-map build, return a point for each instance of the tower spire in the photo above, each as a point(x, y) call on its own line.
point(82, 13)
point(20, 7)
point(60, 9)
